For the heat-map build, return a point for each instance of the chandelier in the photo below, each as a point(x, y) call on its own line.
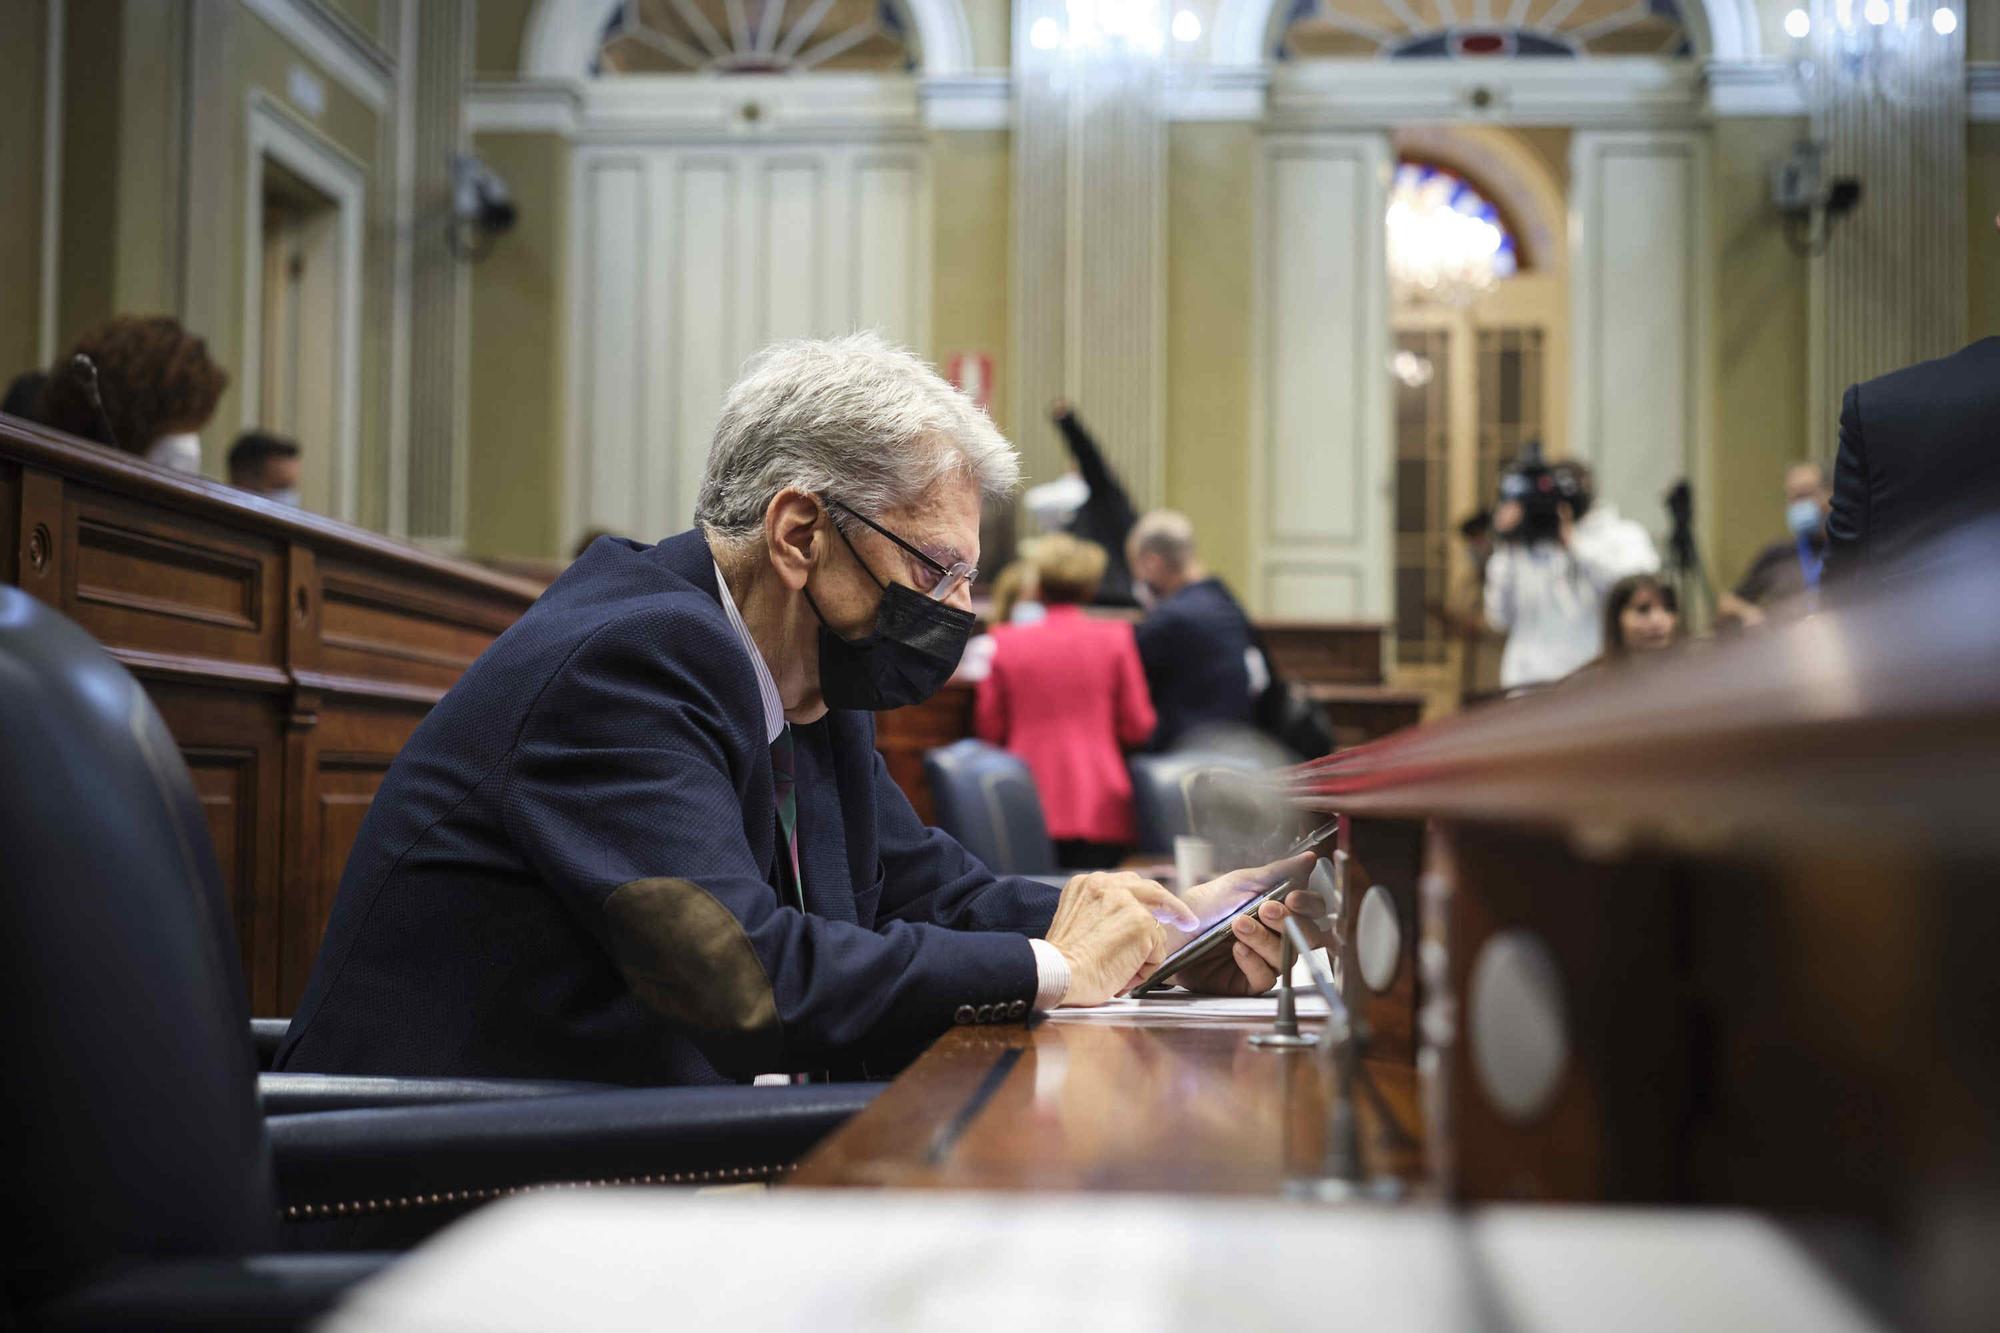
point(1445, 242)
point(1865, 46)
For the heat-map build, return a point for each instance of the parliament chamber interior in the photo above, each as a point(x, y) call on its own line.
point(1101, 664)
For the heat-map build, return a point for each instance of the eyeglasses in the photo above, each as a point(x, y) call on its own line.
point(950, 577)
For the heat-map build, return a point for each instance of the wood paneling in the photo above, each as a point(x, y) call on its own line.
point(903, 734)
point(290, 656)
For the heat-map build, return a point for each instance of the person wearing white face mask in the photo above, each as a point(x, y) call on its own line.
point(140, 384)
point(1784, 578)
point(265, 465)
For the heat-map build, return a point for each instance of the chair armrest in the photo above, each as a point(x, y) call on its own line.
point(265, 1291)
point(299, 1094)
point(266, 1034)
point(371, 1161)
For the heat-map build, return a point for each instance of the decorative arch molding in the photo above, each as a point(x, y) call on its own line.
point(1724, 30)
point(562, 36)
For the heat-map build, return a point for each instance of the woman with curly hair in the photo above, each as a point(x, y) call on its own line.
point(156, 389)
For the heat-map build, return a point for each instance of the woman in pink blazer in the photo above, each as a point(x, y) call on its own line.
point(1067, 694)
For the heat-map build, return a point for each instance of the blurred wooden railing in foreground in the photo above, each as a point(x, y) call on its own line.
point(1715, 928)
point(290, 655)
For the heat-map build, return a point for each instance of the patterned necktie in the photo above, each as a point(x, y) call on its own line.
point(782, 781)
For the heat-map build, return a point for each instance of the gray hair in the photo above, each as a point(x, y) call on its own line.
point(853, 418)
point(1165, 533)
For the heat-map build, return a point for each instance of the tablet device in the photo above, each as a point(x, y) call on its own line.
point(1219, 934)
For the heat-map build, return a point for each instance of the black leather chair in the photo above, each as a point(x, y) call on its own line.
point(1160, 807)
point(140, 1181)
point(986, 799)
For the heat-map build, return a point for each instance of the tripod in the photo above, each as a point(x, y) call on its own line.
point(1684, 569)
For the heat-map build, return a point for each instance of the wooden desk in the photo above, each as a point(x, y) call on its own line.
point(291, 657)
point(1099, 1104)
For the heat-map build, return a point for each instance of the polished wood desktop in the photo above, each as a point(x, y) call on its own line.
point(1149, 1103)
point(1715, 929)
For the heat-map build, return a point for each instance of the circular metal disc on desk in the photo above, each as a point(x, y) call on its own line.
point(1517, 1026)
point(1378, 939)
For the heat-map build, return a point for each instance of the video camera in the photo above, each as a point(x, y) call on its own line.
point(1541, 490)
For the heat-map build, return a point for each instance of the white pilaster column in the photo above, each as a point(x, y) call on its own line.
point(1889, 290)
point(1089, 249)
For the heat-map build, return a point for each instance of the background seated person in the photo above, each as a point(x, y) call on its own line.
point(1067, 695)
point(1784, 572)
point(265, 465)
point(156, 389)
point(647, 838)
point(1195, 641)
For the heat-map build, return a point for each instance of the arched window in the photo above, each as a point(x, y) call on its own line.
point(1446, 241)
point(756, 37)
point(1404, 29)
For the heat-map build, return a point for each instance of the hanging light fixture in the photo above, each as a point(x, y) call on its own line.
point(1864, 44)
point(1445, 242)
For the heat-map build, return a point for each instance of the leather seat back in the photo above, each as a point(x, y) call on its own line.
point(1159, 793)
point(131, 1126)
point(986, 799)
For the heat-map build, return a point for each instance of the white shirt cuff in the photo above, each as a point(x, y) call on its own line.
point(1051, 975)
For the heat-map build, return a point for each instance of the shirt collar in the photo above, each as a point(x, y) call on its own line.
point(767, 687)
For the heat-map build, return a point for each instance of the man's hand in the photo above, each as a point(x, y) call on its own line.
point(1250, 966)
point(1507, 517)
point(1108, 927)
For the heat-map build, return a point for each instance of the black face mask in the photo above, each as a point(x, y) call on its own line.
point(916, 646)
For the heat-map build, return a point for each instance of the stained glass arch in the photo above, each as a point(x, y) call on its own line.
point(1480, 29)
point(756, 37)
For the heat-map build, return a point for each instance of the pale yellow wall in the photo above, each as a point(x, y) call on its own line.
point(514, 476)
point(971, 184)
point(254, 55)
point(498, 27)
point(1982, 182)
point(1758, 348)
point(22, 43)
point(992, 23)
point(365, 15)
point(1210, 243)
point(1982, 30)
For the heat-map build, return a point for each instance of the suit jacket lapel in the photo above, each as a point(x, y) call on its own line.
point(822, 832)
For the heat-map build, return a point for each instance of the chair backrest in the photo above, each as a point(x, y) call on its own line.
point(131, 1127)
point(1159, 792)
point(986, 799)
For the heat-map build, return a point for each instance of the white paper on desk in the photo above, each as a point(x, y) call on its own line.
point(1194, 1009)
point(849, 1261)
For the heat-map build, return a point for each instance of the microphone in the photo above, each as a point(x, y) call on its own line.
point(86, 370)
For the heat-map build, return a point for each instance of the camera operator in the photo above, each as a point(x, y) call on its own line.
point(1558, 555)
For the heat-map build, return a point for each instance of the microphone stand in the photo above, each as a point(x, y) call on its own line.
point(1343, 1175)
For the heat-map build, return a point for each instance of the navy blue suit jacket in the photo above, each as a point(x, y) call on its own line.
point(1192, 644)
point(569, 870)
point(1919, 454)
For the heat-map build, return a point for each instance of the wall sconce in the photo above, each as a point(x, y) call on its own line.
point(1810, 205)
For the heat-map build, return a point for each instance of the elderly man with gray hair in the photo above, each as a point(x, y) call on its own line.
point(647, 837)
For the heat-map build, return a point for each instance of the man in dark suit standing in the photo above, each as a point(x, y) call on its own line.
point(647, 837)
point(1195, 642)
point(1919, 453)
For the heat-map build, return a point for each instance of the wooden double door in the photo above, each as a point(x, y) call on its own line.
point(1472, 386)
